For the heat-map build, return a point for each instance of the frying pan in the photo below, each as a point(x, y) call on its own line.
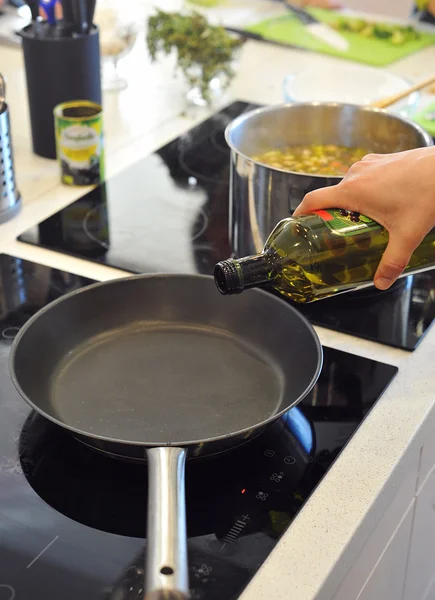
point(160, 366)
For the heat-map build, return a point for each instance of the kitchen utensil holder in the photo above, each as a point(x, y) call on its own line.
point(58, 69)
point(10, 199)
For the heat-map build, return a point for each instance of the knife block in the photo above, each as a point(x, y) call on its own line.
point(58, 69)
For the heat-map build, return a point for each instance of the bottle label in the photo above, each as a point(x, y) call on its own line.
point(346, 223)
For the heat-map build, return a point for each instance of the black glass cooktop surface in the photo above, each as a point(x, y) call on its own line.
point(72, 521)
point(169, 213)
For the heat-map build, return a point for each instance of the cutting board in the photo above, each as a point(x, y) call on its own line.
point(288, 29)
point(426, 119)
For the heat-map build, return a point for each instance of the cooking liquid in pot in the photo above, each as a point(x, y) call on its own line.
point(329, 160)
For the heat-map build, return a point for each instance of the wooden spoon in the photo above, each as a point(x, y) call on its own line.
point(393, 99)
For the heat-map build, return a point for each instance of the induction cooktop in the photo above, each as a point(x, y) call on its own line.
point(72, 521)
point(169, 213)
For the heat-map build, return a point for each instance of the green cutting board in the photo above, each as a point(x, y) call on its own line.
point(288, 29)
point(426, 119)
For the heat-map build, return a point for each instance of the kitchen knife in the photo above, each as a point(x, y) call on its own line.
point(34, 8)
point(80, 18)
point(49, 7)
point(68, 11)
point(320, 30)
point(249, 35)
point(34, 11)
point(90, 11)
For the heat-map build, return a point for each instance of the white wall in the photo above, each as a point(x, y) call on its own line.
point(397, 8)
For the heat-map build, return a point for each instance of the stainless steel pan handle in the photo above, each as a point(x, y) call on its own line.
point(166, 555)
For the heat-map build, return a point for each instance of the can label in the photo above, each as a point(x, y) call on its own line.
point(346, 223)
point(79, 142)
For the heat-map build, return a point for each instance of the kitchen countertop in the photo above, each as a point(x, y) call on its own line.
point(331, 528)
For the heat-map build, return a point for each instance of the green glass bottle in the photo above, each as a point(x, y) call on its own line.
point(318, 255)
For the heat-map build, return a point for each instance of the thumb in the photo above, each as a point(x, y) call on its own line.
point(393, 263)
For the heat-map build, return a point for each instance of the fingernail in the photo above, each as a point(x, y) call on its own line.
point(383, 283)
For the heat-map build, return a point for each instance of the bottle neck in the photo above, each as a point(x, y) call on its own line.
point(235, 275)
point(255, 270)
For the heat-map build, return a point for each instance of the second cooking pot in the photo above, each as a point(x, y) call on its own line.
point(260, 195)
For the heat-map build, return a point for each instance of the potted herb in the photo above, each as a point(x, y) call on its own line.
point(205, 53)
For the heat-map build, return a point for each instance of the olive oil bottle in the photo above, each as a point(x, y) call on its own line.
point(318, 255)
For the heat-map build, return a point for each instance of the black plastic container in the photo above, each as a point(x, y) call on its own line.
point(58, 69)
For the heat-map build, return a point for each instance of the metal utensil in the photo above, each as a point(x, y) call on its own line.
point(80, 18)
point(163, 366)
point(318, 29)
point(90, 11)
point(34, 9)
point(10, 198)
point(34, 12)
point(260, 196)
point(249, 35)
point(2, 93)
point(68, 11)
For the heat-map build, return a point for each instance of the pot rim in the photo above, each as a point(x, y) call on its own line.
point(426, 137)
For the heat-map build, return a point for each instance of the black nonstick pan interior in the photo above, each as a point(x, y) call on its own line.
point(165, 384)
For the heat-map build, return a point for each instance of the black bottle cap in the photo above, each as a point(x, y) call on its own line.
point(228, 278)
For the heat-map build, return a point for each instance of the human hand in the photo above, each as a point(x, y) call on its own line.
point(396, 190)
point(426, 6)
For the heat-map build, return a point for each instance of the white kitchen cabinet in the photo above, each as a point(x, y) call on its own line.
point(427, 461)
point(421, 568)
point(384, 529)
point(388, 577)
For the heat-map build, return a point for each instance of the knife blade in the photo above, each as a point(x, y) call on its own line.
point(320, 30)
point(259, 38)
point(90, 11)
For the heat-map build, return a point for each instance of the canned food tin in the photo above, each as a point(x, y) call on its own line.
point(79, 142)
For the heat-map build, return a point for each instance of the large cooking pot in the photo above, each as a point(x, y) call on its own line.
point(260, 195)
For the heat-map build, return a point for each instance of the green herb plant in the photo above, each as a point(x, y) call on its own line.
point(203, 51)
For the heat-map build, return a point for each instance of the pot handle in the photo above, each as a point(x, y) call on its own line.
point(166, 552)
